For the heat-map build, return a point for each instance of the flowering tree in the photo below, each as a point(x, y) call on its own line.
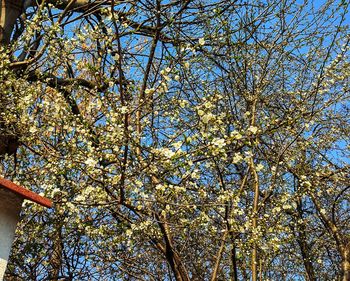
point(179, 140)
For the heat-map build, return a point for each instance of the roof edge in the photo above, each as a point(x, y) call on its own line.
point(25, 193)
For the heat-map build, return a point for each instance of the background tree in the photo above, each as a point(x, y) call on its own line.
point(186, 140)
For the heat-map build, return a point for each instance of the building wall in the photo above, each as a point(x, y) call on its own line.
point(10, 207)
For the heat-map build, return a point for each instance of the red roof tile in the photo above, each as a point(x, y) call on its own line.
point(25, 193)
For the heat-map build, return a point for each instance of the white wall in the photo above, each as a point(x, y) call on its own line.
point(10, 207)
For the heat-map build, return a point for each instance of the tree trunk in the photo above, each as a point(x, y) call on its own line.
point(305, 248)
point(9, 12)
point(255, 260)
point(345, 265)
point(178, 268)
point(342, 242)
point(8, 144)
point(305, 252)
point(56, 256)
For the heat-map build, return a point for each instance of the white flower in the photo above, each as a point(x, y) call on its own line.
point(207, 117)
point(201, 41)
point(149, 91)
point(32, 130)
point(90, 162)
point(55, 191)
point(286, 207)
point(124, 109)
point(219, 142)
point(208, 104)
point(248, 154)
point(259, 167)
point(253, 129)
point(160, 187)
point(177, 145)
point(237, 158)
point(167, 152)
point(183, 103)
point(236, 135)
point(200, 112)
point(80, 198)
point(306, 184)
